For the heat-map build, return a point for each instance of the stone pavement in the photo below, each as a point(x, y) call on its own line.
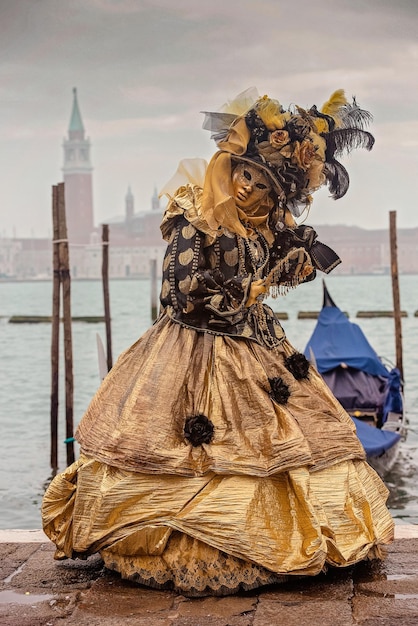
point(38, 591)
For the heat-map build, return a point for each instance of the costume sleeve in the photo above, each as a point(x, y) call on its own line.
point(297, 254)
point(194, 284)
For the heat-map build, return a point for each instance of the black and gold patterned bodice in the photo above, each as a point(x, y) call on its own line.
point(206, 283)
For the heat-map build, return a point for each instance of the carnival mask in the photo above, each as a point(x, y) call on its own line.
point(250, 186)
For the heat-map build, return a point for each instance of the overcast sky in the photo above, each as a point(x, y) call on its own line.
point(144, 69)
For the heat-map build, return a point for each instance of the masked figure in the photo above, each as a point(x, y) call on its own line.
point(213, 457)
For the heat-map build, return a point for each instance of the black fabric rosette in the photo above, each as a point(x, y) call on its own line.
point(279, 390)
point(198, 429)
point(298, 365)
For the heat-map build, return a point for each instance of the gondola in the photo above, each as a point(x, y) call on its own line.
point(370, 391)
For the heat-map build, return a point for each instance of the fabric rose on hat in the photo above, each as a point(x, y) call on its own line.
point(279, 138)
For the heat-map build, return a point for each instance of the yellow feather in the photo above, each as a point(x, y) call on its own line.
point(270, 112)
point(335, 102)
point(321, 125)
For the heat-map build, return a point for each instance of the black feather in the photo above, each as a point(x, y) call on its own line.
point(337, 177)
point(342, 140)
point(352, 116)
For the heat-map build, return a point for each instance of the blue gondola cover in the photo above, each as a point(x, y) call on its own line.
point(336, 340)
point(375, 441)
point(355, 374)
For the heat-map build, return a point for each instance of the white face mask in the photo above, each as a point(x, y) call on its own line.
point(250, 186)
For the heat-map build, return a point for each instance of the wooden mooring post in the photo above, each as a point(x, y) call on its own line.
point(106, 297)
point(61, 282)
point(397, 313)
point(55, 325)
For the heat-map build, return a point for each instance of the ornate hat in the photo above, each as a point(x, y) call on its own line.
point(298, 148)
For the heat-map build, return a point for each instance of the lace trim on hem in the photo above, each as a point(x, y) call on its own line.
point(193, 568)
point(163, 581)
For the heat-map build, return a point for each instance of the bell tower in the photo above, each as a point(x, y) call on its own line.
point(129, 206)
point(77, 171)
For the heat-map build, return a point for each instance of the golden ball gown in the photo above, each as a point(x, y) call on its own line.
point(213, 456)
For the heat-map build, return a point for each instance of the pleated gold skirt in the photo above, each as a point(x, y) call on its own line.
point(282, 489)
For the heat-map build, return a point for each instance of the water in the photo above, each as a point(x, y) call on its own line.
point(25, 372)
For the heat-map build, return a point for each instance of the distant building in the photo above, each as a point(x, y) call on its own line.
point(25, 259)
point(77, 171)
point(9, 250)
point(142, 227)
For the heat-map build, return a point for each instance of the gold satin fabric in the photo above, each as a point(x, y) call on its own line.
point(159, 528)
point(136, 419)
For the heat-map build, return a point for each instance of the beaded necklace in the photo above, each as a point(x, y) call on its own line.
point(258, 253)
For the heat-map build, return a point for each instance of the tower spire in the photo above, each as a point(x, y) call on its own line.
point(76, 127)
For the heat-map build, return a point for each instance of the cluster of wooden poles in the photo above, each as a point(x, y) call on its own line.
point(61, 292)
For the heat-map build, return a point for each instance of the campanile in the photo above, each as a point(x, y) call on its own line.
point(77, 171)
